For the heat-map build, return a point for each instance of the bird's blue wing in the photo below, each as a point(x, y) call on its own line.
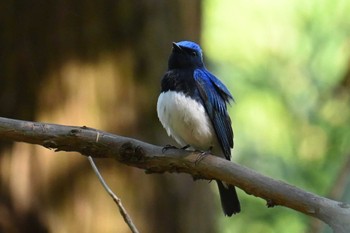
point(215, 97)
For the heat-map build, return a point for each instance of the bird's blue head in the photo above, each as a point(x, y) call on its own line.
point(185, 54)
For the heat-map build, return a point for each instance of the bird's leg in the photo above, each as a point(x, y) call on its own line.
point(167, 147)
point(202, 155)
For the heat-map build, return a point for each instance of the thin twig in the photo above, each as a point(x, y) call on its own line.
point(116, 199)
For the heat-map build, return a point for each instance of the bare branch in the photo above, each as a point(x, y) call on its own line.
point(116, 199)
point(95, 143)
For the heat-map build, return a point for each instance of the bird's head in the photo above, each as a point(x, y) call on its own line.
point(185, 54)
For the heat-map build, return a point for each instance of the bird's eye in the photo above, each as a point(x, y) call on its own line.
point(194, 54)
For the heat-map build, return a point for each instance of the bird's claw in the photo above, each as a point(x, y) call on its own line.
point(167, 147)
point(202, 155)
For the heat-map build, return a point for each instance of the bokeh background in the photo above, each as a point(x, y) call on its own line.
point(99, 64)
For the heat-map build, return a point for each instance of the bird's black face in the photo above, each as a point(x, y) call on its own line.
point(185, 57)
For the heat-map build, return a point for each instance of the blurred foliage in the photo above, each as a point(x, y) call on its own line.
point(285, 63)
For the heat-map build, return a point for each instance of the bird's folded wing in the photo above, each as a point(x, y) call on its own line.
point(215, 96)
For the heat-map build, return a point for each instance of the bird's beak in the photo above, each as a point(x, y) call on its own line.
point(176, 47)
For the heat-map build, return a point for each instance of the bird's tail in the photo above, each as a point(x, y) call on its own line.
point(229, 199)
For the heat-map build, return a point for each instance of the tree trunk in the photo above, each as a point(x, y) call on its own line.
point(94, 63)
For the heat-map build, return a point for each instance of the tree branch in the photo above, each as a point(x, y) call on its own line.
point(115, 198)
point(99, 144)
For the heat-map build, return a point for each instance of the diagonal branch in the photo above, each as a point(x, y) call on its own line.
point(116, 199)
point(95, 143)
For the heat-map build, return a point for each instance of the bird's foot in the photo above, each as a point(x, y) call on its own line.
point(202, 155)
point(167, 147)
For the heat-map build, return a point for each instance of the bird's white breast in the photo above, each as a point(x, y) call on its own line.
point(185, 120)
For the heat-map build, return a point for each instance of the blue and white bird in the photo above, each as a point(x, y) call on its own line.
point(192, 108)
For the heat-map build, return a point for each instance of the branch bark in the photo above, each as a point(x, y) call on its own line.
point(99, 144)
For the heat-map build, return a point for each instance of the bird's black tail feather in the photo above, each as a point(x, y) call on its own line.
point(229, 199)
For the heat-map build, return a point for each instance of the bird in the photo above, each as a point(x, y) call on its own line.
point(192, 107)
